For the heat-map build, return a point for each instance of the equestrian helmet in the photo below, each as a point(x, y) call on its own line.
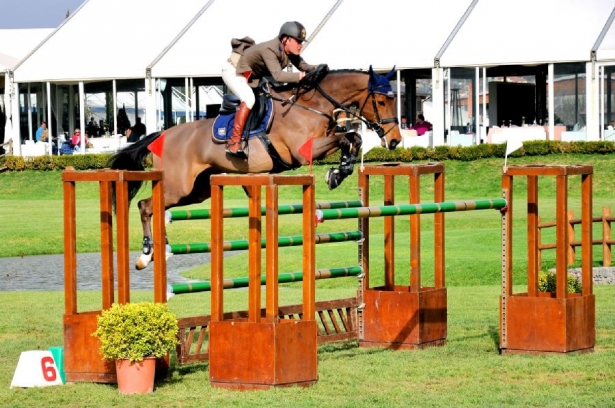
point(293, 29)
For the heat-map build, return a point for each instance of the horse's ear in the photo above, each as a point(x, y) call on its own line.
point(371, 72)
point(390, 74)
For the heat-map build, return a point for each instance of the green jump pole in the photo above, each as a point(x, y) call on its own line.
point(242, 244)
point(203, 214)
point(405, 209)
point(205, 286)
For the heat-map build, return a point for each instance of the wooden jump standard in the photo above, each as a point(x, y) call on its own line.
point(260, 352)
point(539, 322)
point(395, 316)
point(82, 360)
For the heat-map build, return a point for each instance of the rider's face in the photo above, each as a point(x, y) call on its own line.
point(292, 46)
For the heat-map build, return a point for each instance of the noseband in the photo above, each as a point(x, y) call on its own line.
point(377, 125)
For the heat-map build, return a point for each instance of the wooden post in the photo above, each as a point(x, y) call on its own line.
point(396, 316)
point(532, 240)
point(539, 239)
point(82, 359)
point(606, 236)
point(257, 352)
point(571, 247)
point(539, 322)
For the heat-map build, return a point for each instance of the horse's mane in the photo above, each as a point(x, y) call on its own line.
point(315, 77)
point(346, 71)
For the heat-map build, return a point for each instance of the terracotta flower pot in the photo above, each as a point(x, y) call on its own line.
point(137, 377)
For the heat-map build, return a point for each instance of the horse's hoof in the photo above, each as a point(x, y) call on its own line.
point(143, 261)
point(332, 178)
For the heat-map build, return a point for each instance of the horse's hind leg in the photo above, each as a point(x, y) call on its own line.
point(146, 210)
point(350, 145)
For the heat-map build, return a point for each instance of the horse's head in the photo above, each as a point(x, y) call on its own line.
point(379, 108)
point(344, 89)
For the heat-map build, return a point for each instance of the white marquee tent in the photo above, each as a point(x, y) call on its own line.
point(528, 32)
point(384, 33)
point(202, 50)
point(108, 39)
point(15, 44)
point(191, 38)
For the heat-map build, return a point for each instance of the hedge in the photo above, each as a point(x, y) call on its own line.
point(439, 153)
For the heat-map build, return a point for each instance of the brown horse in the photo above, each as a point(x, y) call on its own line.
point(190, 155)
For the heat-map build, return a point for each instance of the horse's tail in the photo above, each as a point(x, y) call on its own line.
point(133, 158)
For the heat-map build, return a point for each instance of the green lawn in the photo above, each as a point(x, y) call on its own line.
point(467, 371)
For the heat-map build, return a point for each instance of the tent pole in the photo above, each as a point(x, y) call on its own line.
point(81, 115)
point(114, 107)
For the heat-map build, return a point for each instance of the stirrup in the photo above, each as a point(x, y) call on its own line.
point(239, 152)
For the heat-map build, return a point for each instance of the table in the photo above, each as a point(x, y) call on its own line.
point(410, 138)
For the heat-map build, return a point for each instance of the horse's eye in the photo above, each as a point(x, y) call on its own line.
point(381, 103)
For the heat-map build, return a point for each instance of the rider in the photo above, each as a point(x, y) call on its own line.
point(264, 59)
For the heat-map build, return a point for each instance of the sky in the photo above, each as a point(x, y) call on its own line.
point(35, 13)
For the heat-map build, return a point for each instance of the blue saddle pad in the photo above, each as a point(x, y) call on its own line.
point(223, 124)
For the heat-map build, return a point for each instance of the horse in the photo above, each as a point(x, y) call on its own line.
point(188, 153)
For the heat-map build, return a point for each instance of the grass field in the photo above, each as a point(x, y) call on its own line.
point(467, 371)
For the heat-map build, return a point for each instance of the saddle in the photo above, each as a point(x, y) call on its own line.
point(260, 118)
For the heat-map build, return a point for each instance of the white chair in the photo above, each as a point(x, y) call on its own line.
point(458, 139)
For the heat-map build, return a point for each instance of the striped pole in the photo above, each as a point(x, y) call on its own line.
point(205, 214)
point(243, 244)
point(205, 286)
point(406, 209)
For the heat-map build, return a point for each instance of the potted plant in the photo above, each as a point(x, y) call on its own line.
point(134, 335)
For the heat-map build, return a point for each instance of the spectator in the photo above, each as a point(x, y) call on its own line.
point(42, 133)
point(91, 129)
point(123, 122)
point(404, 122)
point(130, 136)
point(75, 141)
point(138, 129)
point(421, 126)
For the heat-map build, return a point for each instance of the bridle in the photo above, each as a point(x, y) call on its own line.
point(372, 125)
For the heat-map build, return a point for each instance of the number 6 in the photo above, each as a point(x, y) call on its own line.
point(49, 371)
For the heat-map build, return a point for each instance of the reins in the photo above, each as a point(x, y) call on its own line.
point(375, 126)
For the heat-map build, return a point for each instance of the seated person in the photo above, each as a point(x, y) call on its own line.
point(404, 122)
point(75, 141)
point(131, 136)
point(421, 126)
point(42, 133)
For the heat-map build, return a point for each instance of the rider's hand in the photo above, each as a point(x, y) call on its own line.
point(301, 75)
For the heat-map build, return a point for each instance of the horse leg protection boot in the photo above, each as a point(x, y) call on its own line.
point(233, 145)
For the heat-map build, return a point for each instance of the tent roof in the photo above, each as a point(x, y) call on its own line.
point(17, 43)
point(384, 33)
point(208, 41)
point(606, 48)
point(528, 32)
point(107, 39)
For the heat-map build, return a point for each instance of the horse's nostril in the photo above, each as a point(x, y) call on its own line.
point(394, 143)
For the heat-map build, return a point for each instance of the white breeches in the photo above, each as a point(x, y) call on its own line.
point(238, 84)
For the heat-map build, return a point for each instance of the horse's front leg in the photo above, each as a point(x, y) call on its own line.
point(349, 145)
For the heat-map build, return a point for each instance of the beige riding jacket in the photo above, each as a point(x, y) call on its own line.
point(269, 59)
